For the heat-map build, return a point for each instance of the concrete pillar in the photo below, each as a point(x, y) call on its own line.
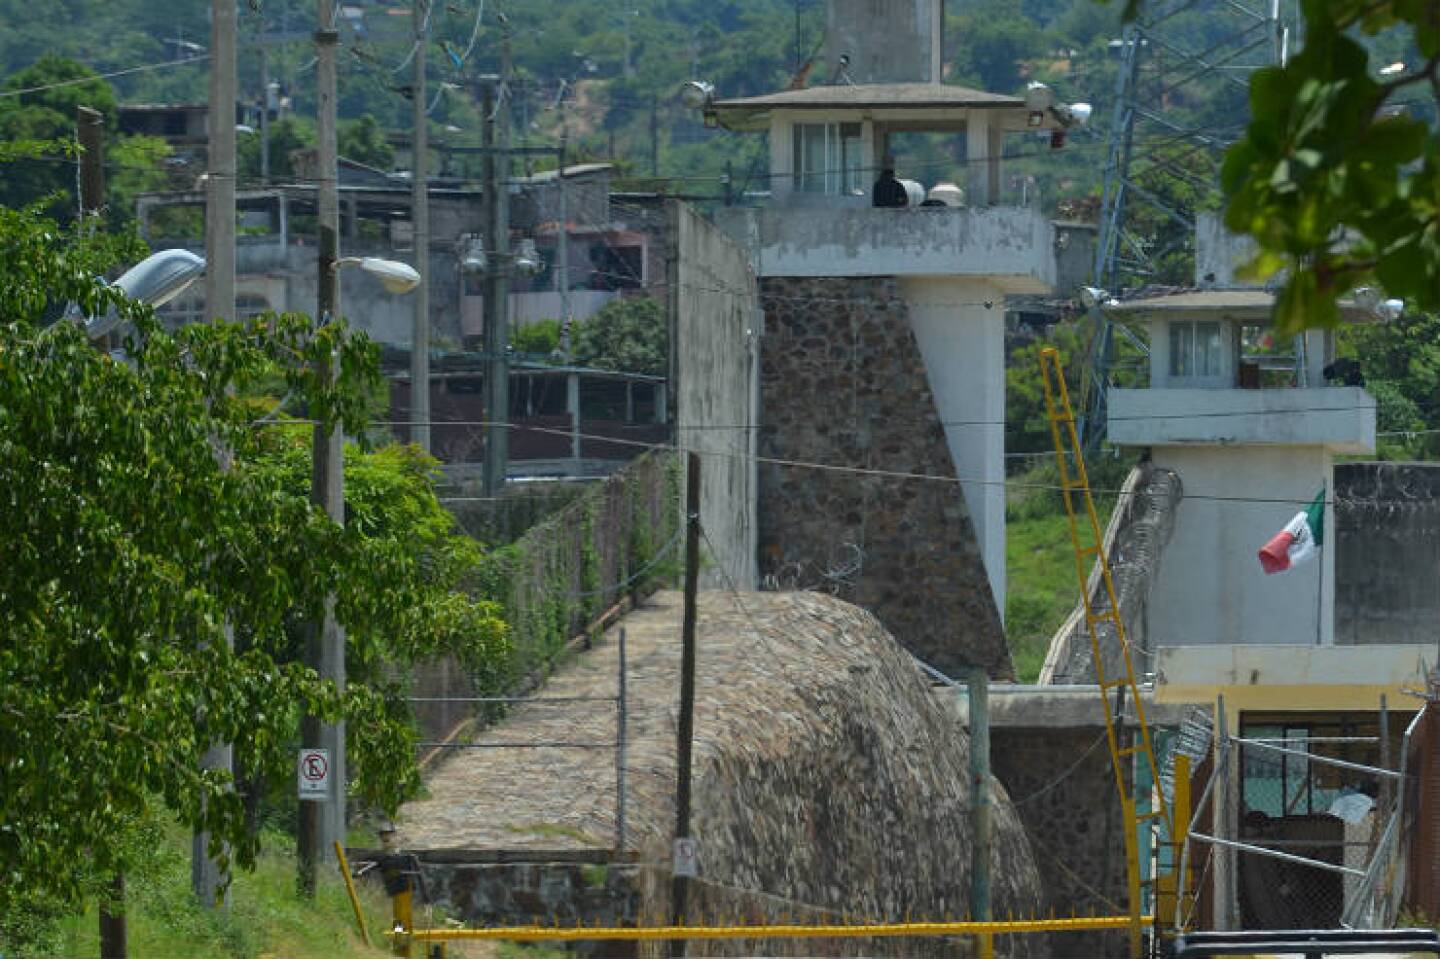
point(978, 160)
point(959, 325)
point(1326, 601)
point(782, 181)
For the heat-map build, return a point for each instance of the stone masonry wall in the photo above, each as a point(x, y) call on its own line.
point(1063, 789)
point(843, 382)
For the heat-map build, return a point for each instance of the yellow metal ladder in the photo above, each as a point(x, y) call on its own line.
point(1075, 483)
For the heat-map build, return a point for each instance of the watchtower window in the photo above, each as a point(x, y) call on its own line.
point(1197, 350)
point(828, 158)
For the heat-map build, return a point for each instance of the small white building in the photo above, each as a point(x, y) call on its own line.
point(1245, 418)
point(1251, 424)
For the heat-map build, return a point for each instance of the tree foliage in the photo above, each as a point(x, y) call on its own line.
point(1400, 361)
point(1337, 179)
point(364, 142)
point(144, 514)
point(627, 335)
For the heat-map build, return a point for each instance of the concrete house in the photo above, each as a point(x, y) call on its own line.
point(882, 341)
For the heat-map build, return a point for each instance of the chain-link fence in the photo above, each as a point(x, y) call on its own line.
point(1302, 825)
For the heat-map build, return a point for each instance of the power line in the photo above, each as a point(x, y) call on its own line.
point(875, 472)
point(75, 81)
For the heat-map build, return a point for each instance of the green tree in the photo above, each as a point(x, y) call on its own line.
point(1338, 176)
point(287, 134)
point(364, 142)
point(541, 337)
point(995, 41)
point(628, 335)
point(142, 508)
point(48, 116)
point(1400, 361)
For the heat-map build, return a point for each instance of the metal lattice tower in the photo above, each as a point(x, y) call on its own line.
point(1181, 98)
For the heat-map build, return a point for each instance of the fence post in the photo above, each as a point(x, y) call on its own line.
point(1225, 883)
point(978, 687)
point(680, 884)
point(620, 718)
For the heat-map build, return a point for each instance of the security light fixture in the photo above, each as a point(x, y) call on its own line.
point(1038, 97)
point(527, 257)
point(1092, 296)
point(395, 276)
point(697, 94)
point(472, 256)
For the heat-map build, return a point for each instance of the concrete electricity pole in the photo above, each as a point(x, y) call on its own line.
point(206, 876)
point(685, 728)
point(420, 335)
point(323, 822)
point(495, 108)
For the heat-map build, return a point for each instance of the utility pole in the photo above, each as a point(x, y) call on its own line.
point(90, 131)
point(323, 822)
point(495, 108)
point(654, 137)
point(420, 200)
point(978, 687)
point(206, 876)
point(562, 239)
point(680, 880)
point(264, 110)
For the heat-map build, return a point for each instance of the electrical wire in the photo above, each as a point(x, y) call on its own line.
point(875, 472)
point(143, 68)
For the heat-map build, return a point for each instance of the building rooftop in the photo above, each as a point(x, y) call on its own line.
point(744, 112)
point(1242, 304)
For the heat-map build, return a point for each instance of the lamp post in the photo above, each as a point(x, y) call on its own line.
point(322, 822)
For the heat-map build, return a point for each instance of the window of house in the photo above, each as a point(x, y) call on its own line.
point(1197, 349)
point(828, 158)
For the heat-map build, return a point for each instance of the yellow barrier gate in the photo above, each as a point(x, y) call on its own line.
point(784, 931)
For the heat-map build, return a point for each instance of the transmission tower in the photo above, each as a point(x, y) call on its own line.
point(1181, 98)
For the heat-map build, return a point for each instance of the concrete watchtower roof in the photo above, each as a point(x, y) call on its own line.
point(1250, 306)
point(753, 113)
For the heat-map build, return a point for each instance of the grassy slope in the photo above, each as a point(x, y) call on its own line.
point(265, 917)
point(1041, 589)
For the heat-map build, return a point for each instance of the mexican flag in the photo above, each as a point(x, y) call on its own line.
point(1298, 541)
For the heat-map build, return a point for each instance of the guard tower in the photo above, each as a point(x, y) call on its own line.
point(855, 293)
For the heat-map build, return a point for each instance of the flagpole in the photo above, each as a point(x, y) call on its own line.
point(1326, 543)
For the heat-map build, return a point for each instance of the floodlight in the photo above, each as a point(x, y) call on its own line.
point(697, 94)
point(1038, 97)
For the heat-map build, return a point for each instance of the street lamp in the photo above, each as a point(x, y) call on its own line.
point(154, 281)
point(397, 277)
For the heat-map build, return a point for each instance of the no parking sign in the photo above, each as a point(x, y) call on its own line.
point(313, 774)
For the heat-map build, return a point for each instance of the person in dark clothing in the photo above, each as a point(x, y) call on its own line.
point(888, 191)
